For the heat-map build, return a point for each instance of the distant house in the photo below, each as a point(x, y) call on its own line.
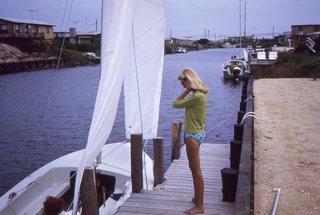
point(78, 38)
point(182, 41)
point(87, 38)
point(24, 28)
point(168, 42)
point(300, 32)
point(235, 40)
point(284, 39)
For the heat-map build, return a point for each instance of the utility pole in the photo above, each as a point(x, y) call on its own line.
point(240, 22)
point(272, 32)
point(96, 24)
point(245, 19)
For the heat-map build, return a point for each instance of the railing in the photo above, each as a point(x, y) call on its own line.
point(22, 35)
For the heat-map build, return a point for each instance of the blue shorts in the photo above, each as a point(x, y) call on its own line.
point(199, 137)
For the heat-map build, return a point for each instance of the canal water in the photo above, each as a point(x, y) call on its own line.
point(32, 133)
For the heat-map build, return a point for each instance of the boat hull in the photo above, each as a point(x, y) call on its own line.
point(230, 75)
point(57, 179)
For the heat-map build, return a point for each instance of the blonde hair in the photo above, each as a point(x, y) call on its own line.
point(195, 82)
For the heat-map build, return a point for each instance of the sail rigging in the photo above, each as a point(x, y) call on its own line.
point(148, 49)
point(122, 60)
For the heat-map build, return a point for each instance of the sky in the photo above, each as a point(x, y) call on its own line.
point(213, 19)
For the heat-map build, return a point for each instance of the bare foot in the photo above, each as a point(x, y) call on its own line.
point(195, 210)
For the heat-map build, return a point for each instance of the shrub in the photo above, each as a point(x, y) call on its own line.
point(72, 57)
point(290, 65)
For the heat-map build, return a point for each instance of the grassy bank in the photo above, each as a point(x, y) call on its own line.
point(290, 65)
point(72, 53)
point(74, 58)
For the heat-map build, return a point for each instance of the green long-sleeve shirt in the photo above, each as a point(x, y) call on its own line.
point(195, 111)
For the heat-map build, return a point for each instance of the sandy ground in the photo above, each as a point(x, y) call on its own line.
point(287, 145)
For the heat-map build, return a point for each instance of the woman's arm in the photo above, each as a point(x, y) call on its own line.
point(182, 101)
point(184, 94)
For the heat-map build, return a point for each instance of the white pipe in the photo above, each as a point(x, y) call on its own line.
point(275, 205)
point(250, 115)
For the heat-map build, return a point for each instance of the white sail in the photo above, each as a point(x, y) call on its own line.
point(116, 20)
point(130, 28)
point(142, 85)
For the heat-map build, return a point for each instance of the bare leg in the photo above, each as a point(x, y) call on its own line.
point(193, 149)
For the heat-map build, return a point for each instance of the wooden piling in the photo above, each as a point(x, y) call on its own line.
point(176, 139)
point(136, 163)
point(235, 154)
point(244, 90)
point(240, 116)
point(238, 132)
point(88, 193)
point(158, 167)
point(243, 98)
point(229, 184)
point(243, 106)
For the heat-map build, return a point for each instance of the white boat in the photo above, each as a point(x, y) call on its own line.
point(91, 55)
point(181, 50)
point(132, 55)
point(259, 56)
point(236, 69)
point(228, 45)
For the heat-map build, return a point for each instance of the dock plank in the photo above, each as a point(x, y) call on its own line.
point(174, 195)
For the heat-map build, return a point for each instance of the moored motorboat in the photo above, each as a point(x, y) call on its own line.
point(236, 69)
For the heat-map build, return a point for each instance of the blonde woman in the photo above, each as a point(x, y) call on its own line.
point(194, 119)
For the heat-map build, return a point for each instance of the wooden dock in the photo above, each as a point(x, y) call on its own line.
point(174, 195)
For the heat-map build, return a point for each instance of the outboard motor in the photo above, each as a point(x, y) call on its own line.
point(236, 71)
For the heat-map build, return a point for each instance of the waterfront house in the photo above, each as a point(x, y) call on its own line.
point(284, 39)
point(182, 41)
point(13, 28)
point(301, 32)
point(78, 38)
point(88, 37)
